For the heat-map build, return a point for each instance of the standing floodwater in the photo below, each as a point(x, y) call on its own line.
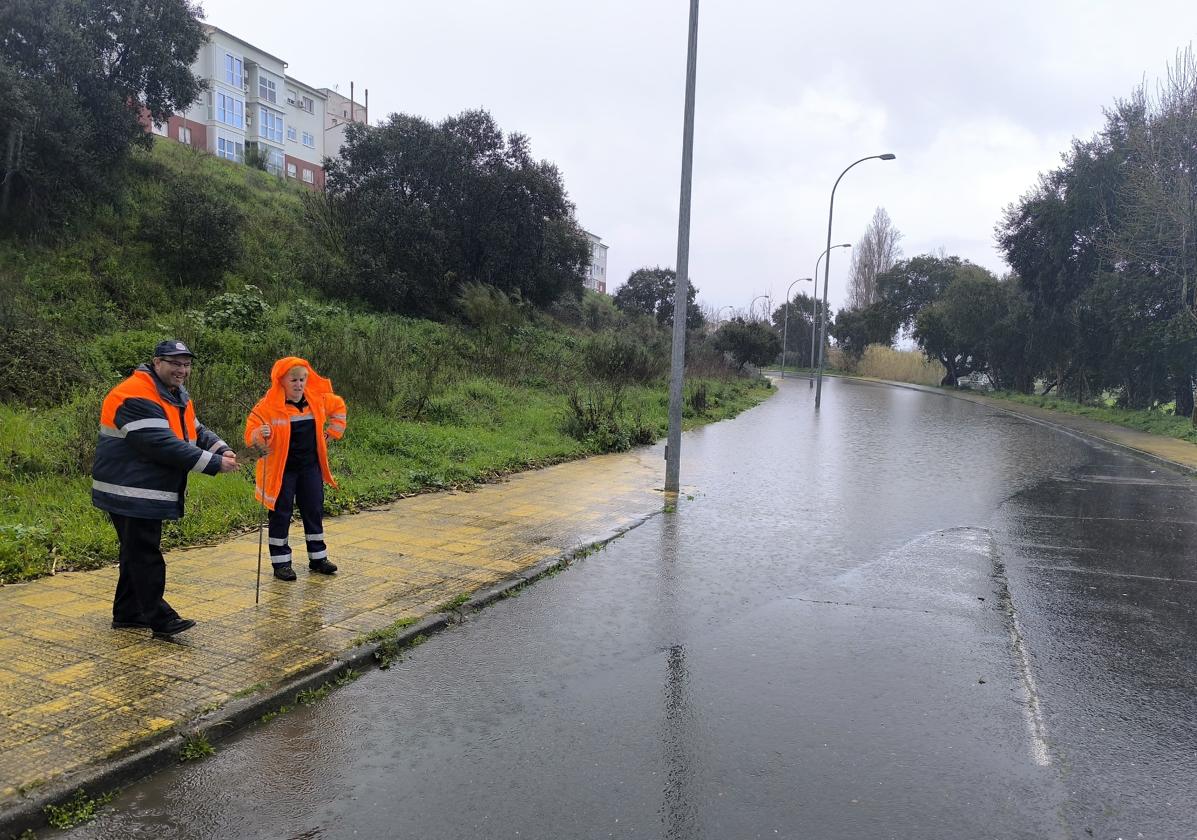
point(906, 616)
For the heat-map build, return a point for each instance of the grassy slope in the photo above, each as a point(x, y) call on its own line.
point(101, 288)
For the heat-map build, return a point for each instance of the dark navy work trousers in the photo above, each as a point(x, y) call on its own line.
point(304, 488)
point(142, 579)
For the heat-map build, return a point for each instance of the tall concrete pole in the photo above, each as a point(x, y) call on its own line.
point(681, 292)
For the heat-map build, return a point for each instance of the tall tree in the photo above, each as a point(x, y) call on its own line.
point(434, 207)
point(796, 330)
point(753, 342)
point(874, 254)
point(75, 76)
point(649, 291)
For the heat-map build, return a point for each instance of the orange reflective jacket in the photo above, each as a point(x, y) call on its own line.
point(325, 407)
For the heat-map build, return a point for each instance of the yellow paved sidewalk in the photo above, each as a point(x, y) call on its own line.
point(75, 694)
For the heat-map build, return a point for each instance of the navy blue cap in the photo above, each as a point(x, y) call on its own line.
point(172, 347)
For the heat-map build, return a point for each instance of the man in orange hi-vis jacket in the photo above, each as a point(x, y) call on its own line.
point(294, 421)
point(149, 440)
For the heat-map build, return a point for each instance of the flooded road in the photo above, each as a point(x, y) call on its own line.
point(907, 616)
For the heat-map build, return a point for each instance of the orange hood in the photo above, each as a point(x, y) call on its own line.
point(276, 397)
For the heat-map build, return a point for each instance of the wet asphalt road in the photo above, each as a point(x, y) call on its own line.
point(906, 617)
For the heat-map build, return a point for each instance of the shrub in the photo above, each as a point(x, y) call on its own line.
point(495, 318)
point(39, 364)
point(388, 363)
point(900, 365)
point(596, 415)
point(244, 310)
point(599, 311)
point(306, 317)
point(197, 234)
point(696, 398)
point(621, 359)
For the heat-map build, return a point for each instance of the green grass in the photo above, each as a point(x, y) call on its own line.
point(1156, 422)
point(482, 429)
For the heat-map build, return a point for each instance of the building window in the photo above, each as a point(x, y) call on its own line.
point(185, 135)
point(309, 177)
point(274, 161)
point(230, 110)
point(291, 135)
point(308, 105)
point(267, 89)
point(270, 125)
point(232, 70)
point(290, 170)
point(230, 149)
point(309, 140)
point(292, 97)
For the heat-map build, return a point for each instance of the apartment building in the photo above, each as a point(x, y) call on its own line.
point(340, 112)
point(252, 107)
point(596, 272)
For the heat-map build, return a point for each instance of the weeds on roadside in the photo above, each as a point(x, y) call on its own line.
point(310, 696)
point(196, 747)
point(77, 810)
point(248, 690)
point(454, 603)
point(271, 715)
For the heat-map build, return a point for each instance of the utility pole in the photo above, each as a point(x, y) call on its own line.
point(681, 291)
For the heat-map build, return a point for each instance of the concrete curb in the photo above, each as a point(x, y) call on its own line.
point(231, 718)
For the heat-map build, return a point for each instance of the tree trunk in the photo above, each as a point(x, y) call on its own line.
point(949, 377)
point(1184, 399)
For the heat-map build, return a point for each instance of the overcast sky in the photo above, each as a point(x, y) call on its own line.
point(974, 101)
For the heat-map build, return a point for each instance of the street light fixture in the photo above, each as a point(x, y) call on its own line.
point(754, 300)
point(720, 309)
point(786, 329)
point(814, 311)
point(827, 269)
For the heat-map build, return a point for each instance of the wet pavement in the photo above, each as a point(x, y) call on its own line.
point(906, 616)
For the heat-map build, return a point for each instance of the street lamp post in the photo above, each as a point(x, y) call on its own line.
point(754, 300)
point(827, 269)
point(673, 446)
point(720, 309)
point(785, 331)
point(814, 311)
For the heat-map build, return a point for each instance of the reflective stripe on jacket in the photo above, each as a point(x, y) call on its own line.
point(325, 407)
point(149, 441)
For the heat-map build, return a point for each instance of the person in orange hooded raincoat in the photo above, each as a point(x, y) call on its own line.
point(294, 421)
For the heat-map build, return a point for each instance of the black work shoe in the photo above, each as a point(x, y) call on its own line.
point(173, 627)
point(322, 566)
point(283, 571)
point(138, 624)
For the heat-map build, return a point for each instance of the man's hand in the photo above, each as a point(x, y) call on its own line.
point(264, 431)
point(228, 462)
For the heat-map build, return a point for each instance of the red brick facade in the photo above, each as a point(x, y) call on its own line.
point(199, 131)
point(300, 165)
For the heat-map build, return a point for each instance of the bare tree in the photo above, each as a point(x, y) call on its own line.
point(875, 254)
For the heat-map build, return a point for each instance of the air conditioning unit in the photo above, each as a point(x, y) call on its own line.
point(249, 120)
